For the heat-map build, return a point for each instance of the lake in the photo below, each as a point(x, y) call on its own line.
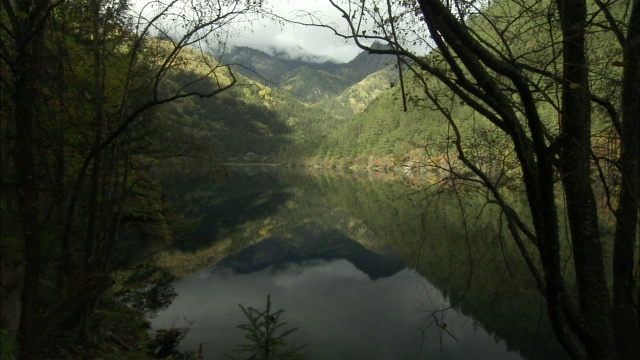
point(364, 268)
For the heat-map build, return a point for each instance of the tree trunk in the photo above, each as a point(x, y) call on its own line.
point(575, 165)
point(625, 287)
point(26, 84)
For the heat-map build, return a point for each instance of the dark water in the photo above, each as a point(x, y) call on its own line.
point(340, 312)
point(360, 268)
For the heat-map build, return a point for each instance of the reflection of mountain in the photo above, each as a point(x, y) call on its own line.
point(311, 240)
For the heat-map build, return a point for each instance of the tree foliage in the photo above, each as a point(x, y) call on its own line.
point(549, 83)
point(82, 83)
point(266, 335)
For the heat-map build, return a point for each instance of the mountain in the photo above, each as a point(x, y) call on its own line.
point(365, 64)
point(309, 241)
point(312, 85)
point(357, 97)
point(307, 81)
point(258, 65)
point(286, 112)
point(248, 123)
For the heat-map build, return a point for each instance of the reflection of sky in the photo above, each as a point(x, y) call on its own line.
point(340, 313)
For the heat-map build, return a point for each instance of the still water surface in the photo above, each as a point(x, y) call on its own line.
point(310, 245)
point(340, 312)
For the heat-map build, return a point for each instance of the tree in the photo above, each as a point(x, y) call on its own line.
point(539, 74)
point(266, 335)
point(78, 79)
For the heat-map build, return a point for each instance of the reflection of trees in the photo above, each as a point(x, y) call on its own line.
point(497, 290)
point(480, 275)
point(543, 76)
point(486, 279)
point(546, 79)
point(204, 207)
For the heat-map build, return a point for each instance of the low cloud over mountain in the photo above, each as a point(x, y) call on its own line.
point(300, 54)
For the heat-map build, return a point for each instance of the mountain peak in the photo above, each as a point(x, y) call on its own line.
point(298, 54)
point(307, 77)
point(377, 45)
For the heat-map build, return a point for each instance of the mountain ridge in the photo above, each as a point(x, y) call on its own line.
point(262, 121)
point(307, 81)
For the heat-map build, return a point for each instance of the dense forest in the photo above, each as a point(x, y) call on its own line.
point(522, 103)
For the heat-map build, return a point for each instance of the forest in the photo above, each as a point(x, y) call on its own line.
point(524, 103)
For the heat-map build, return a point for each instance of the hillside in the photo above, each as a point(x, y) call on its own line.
point(260, 121)
point(383, 132)
point(310, 82)
point(357, 97)
point(349, 114)
point(249, 123)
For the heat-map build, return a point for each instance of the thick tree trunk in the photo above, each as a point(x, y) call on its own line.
point(593, 294)
point(625, 285)
point(585, 330)
point(26, 79)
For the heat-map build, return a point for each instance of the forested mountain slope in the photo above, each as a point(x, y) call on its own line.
point(289, 110)
point(306, 81)
point(261, 121)
point(385, 130)
point(248, 123)
point(92, 106)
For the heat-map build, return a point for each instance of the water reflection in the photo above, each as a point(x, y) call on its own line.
point(339, 310)
point(351, 238)
point(311, 240)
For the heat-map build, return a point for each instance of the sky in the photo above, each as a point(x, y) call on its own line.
point(310, 43)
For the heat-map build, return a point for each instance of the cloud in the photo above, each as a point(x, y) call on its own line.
point(299, 53)
point(297, 41)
